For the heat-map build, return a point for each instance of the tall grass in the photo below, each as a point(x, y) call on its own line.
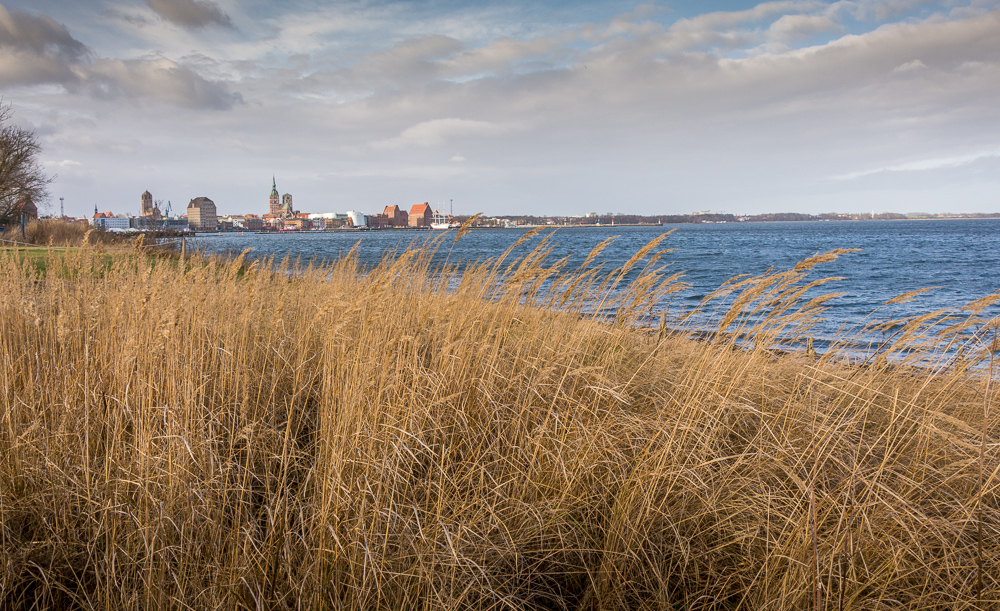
point(225, 435)
point(57, 232)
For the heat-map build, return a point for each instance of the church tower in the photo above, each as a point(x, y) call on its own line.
point(275, 198)
point(147, 204)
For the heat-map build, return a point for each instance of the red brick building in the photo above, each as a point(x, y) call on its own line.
point(420, 215)
point(395, 217)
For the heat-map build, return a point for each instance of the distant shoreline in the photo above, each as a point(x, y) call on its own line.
point(582, 226)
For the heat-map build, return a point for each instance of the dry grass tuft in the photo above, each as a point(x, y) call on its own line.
point(55, 232)
point(217, 435)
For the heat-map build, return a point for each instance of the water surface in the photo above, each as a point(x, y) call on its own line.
point(959, 257)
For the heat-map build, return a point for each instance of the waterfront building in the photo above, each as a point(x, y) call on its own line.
point(108, 221)
point(150, 209)
point(329, 220)
point(275, 201)
point(174, 223)
point(337, 216)
point(394, 217)
point(287, 211)
point(149, 213)
point(357, 219)
point(249, 222)
point(201, 215)
point(421, 215)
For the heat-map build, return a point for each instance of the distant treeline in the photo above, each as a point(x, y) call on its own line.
point(675, 219)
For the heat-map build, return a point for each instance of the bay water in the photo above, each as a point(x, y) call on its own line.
point(959, 258)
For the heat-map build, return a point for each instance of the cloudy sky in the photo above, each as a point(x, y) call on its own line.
point(543, 107)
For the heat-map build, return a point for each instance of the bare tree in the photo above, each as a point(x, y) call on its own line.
point(21, 176)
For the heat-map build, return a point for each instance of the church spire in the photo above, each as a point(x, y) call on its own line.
point(274, 186)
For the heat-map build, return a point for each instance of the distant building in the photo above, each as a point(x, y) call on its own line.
point(394, 217)
point(275, 201)
point(421, 215)
point(357, 219)
point(287, 211)
point(27, 208)
point(249, 222)
point(328, 215)
point(149, 208)
point(201, 215)
point(329, 220)
point(107, 220)
point(176, 223)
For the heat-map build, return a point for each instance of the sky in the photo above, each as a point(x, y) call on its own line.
point(541, 107)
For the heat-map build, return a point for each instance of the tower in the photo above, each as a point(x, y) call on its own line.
point(275, 198)
point(147, 204)
point(286, 206)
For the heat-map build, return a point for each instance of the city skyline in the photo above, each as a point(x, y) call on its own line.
point(542, 108)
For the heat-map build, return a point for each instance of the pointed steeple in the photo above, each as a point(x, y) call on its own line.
point(274, 186)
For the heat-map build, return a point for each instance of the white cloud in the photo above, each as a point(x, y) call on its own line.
point(923, 165)
point(729, 19)
point(158, 79)
point(439, 131)
point(910, 66)
point(792, 27)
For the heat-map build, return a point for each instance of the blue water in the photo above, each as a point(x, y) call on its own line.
point(960, 257)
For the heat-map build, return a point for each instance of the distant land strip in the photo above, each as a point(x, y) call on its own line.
point(592, 219)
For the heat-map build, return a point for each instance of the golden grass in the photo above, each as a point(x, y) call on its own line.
point(261, 437)
point(57, 232)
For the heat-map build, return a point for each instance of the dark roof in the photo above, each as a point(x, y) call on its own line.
point(198, 202)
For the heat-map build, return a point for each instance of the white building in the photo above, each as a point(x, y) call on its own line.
point(337, 216)
point(359, 219)
point(110, 222)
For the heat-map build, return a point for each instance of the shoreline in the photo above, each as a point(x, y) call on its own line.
point(560, 226)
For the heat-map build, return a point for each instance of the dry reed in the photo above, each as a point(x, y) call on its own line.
point(264, 436)
point(55, 232)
